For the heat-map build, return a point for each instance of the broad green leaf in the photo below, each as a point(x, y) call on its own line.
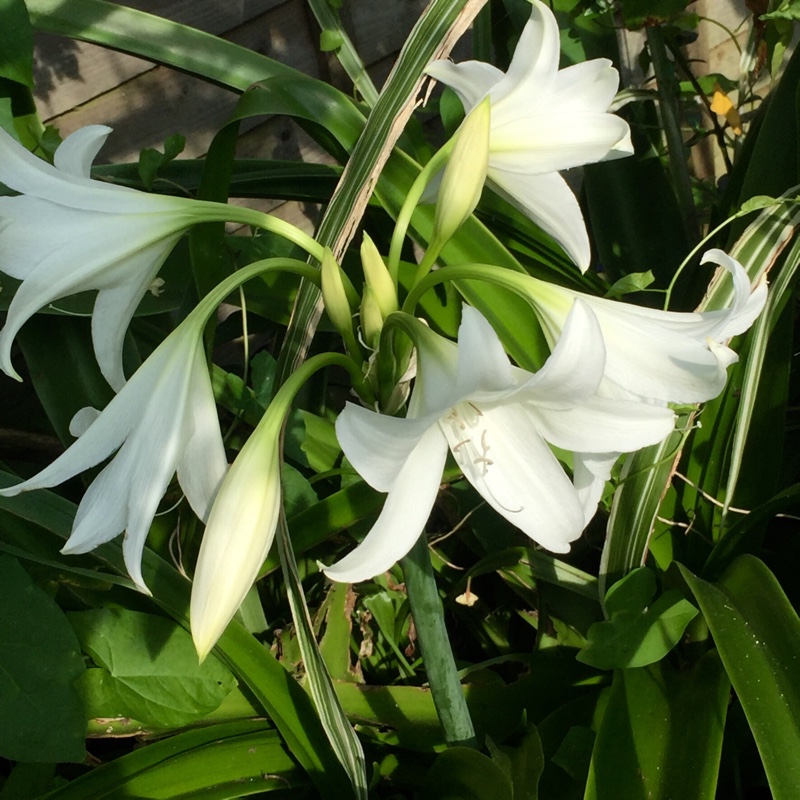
point(461, 773)
point(639, 631)
point(223, 761)
point(149, 669)
point(757, 633)
point(635, 640)
point(660, 736)
point(16, 43)
point(39, 663)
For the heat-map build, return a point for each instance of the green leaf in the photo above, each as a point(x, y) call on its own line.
point(39, 662)
point(462, 773)
point(522, 762)
point(757, 633)
point(149, 669)
point(157, 39)
point(788, 9)
point(635, 282)
point(152, 161)
point(16, 43)
point(229, 760)
point(660, 736)
point(640, 632)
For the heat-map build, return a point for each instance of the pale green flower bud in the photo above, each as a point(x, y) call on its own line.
point(378, 278)
point(371, 318)
point(464, 175)
point(335, 296)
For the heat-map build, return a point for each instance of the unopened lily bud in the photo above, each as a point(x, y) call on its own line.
point(464, 175)
point(378, 278)
point(334, 295)
point(371, 318)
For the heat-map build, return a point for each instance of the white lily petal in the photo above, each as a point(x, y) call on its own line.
point(556, 142)
point(588, 87)
point(470, 80)
point(747, 303)
point(378, 446)
point(103, 437)
point(82, 420)
point(503, 455)
point(146, 424)
point(78, 151)
point(590, 473)
point(549, 202)
point(575, 367)
point(600, 424)
point(482, 363)
point(536, 56)
point(24, 172)
point(115, 306)
point(404, 514)
point(202, 464)
point(437, 369)
point(100, 516)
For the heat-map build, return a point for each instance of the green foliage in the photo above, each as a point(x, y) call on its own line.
point(40, 663)
point(641, 629)
point(481, 639)
point(161, 684)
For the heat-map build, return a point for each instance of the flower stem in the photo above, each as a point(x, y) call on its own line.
point(428, 614)
point(410, 204)
point(258, 219)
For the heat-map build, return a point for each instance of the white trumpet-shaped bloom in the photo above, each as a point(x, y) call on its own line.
point(660, 356)
point(543, 120)
point(67, 233)
point(497, 420)
point(164, 420)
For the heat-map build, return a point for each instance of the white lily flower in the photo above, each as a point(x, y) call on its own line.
point(659, 356)
point(543, 120)
point(66, 233)
point(162, 421)
point(497, 420)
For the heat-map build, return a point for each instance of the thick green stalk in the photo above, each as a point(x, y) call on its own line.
point(434, 641)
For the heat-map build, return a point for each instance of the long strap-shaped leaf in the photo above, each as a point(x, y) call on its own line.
point(432, 37)
point(157, 39)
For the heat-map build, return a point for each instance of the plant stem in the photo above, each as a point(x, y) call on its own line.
point(668, 107)
point(428, 614)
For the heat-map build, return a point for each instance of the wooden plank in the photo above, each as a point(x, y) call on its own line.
point(69, 73)
point(161, 101)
